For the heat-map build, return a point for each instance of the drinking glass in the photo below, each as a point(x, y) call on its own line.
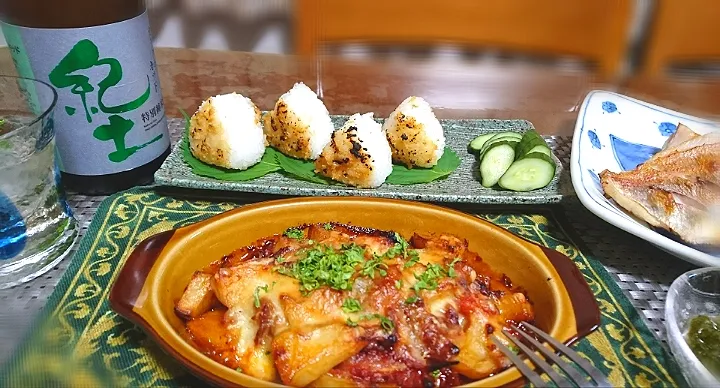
point(37, 228)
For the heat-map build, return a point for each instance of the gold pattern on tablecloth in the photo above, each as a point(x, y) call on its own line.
point(105, 344)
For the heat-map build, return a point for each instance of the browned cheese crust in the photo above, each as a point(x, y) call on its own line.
point(403, 328)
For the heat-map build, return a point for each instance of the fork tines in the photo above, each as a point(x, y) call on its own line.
point(573, 373)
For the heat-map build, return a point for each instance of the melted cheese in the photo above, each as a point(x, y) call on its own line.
point(240, 320)
point(299, 339)
point(321, 307)
point(439, 303)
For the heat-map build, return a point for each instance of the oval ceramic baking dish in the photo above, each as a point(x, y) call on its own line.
point(155, 274)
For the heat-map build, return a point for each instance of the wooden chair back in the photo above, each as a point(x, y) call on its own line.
point(593, 30)
point(682, 31)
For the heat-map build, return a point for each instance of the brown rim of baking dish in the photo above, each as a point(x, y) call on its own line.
point(138, 288)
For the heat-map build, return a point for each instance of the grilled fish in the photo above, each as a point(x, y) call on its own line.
point(681, 135)
point(676, 188)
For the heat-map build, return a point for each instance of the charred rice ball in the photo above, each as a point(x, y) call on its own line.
point(415, 134)
point(299, 126)
point(358, 154)
point(226, 131)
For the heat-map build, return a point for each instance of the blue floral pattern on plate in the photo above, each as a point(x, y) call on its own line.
point(594, 139)
point(628, 139)
point(629, 155)
point(609, 107)
point(666, 128)
point(595, 177)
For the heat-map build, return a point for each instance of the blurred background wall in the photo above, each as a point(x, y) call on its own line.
point(266, 26)
point(242, 25)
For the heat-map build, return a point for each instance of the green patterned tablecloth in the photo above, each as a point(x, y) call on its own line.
point(79, 341)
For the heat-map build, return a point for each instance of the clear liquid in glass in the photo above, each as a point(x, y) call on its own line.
point(36, 225)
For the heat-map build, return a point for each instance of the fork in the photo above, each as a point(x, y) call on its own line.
point(534, 377)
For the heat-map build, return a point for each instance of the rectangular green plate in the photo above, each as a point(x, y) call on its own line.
point(462, 186)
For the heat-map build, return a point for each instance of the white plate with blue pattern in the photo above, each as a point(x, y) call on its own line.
point(617, 133)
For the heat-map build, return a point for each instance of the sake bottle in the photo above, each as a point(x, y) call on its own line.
point(111, 130)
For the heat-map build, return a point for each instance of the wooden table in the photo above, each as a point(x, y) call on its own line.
point(549, 98)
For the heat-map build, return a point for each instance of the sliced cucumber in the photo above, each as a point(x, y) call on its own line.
point(533, 171)
point(498, 139)
point(531, 134)
point(495, 161)
point(510, 133)
point(503, 135)
point(477, 143)
point(541, 148)
point(529, 142)
point(511, 143)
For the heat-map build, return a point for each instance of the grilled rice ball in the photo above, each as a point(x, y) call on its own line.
point(226, 131)
point(415, 134)
point(358, 154)
point(299, 126)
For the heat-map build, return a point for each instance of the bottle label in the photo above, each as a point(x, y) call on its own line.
point(110, 115)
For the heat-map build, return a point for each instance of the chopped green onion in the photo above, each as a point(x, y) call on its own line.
point(385, 323)
point(413, 258)
point(325, 266)
point(351, 305)
point(451, 268)
point(256, 294)
point(294, 233)
point(428, 280)
point(372, 265)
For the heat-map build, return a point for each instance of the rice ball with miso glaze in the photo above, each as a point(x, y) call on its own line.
point(415, 134)
point(226, 131)
point(299, 126)
point(358, 154)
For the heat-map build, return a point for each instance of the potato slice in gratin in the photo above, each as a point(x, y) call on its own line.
point(333, 305)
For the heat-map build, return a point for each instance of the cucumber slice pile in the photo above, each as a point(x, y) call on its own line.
point(501, 137)
point(533, 171)
point(477, 143)
point(532, 142)
point(495, 161)
point(518, 162)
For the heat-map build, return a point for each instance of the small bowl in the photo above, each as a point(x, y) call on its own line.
point(155, 274)
point(696, 292)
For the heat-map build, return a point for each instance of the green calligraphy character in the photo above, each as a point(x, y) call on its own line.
point(116, 132)
point(85, 55)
